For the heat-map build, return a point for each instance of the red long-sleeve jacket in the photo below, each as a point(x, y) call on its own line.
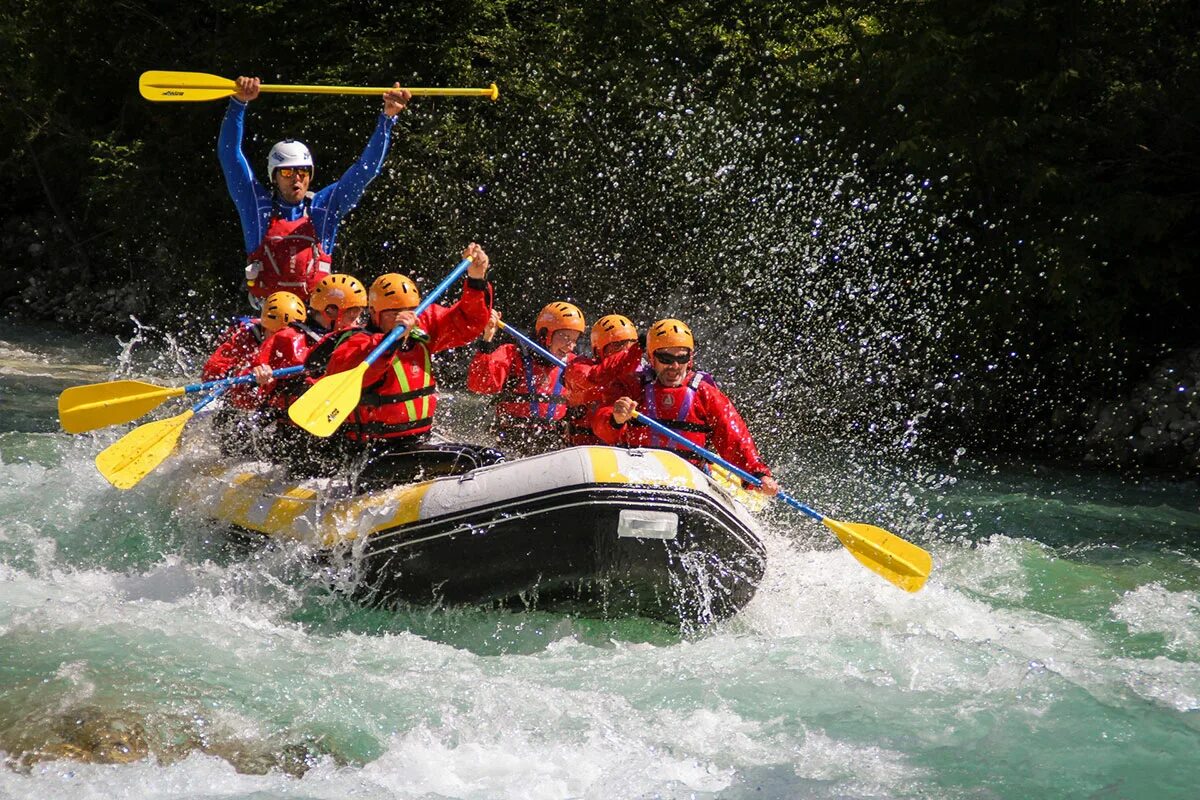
point(237, 347)
point(590, 384)
point(709, 417)
point(286, 347)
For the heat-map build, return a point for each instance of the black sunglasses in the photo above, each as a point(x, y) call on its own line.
point(666, 358)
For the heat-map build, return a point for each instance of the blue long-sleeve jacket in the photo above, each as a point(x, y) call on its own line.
point(329, 205)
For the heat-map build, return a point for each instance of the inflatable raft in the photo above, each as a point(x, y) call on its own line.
point(600, 529)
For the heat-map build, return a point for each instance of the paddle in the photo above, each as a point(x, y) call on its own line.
point(98, 405)
point(194, 87)
point(327, 403)
point(136, 454)
point(897, 560)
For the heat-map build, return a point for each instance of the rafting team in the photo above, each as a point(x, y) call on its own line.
point(328, 322)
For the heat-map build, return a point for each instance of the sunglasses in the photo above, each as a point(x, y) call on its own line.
point(667, 358)
point(288, 172)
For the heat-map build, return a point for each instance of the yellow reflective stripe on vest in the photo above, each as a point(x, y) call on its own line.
point(402, 376)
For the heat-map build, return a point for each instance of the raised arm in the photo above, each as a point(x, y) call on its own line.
point(243, 187)
point(345, 194)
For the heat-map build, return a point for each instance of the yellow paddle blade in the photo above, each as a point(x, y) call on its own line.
point(136, 454)
point(187, 87)
point(329, 401)
point(901, 562)
point(98, 405)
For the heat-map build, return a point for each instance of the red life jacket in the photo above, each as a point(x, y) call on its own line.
point(674, 407)
point(403, 403)
point(534, 397)
point(287, 347)
point(290, 258)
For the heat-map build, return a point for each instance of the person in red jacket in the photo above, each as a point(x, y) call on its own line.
point(531, 405)
point(338, 303)
point(616, 354)
point(684, 400)
point(399, 395)
point(237, 419)
point(240, 344)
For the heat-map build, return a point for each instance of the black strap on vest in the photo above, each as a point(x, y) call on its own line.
point(685, 427)
point(317, 360)
point(380, 428)
point(375, 400)
point(307, 331)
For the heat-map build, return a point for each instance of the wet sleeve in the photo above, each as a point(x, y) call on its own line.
point(578, 378)
point(223, 361)
point(731, 439)
point(605, 377)
point(350, 353)
point(243, 187)
point(603, 427)
point(489, 371)
point(282, 349)
point(461, 323)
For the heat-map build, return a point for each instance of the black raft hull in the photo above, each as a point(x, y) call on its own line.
point(604, 531)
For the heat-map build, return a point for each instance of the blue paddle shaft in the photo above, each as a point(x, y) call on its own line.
point(240, 379)
point(213, 395)
point(532, 345)
point(658, 427)
point(429, 300)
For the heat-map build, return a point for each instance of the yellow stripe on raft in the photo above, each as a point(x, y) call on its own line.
point(680, 471)
point(401, 506)
point(240, 499)
point(651, 468)
point(755, 501)
point(604, 466)
point(293, 503)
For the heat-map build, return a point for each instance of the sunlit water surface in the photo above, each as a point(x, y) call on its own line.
point(1054, 653)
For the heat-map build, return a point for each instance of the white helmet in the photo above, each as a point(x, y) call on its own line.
point(288, 153)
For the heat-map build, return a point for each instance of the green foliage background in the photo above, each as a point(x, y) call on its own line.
point(656, 157)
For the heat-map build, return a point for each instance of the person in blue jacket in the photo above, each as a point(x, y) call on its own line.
point(289, 230)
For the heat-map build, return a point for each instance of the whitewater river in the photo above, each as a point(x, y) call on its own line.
point(1055, 652)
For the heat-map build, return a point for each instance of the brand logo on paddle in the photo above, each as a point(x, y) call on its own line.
point(332, 415)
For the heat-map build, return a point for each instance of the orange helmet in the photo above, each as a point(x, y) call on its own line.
point(559, 317)
point(613, 328)
point(338, 289)
point(669, 333)
point(281, 309)
point(392, 291)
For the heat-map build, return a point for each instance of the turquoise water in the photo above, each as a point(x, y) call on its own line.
point(1055, 651)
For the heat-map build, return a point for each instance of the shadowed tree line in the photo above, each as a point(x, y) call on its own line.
point(703, 158)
